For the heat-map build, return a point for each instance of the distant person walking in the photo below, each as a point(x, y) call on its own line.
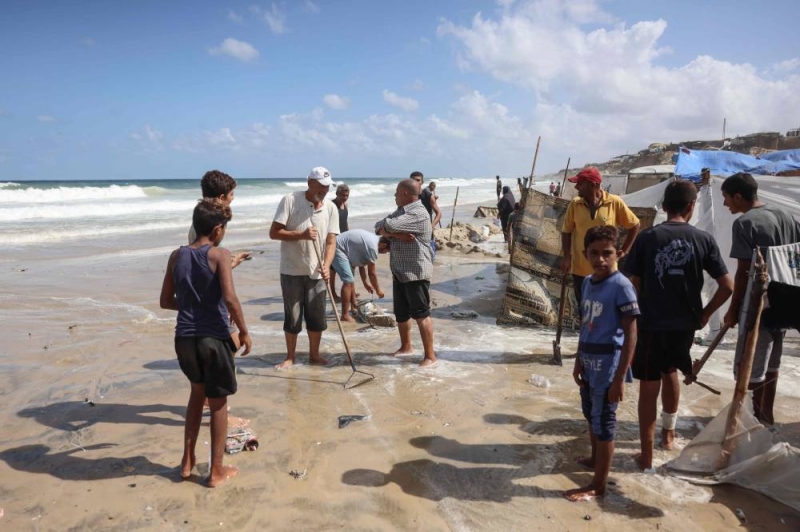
point(592, 206)
point(499, 187)
point(428, 199)
point(504, 209)
point(303, 217)
point(342, 195)
point(552, 188)
point(409, 231)
point(557, 193)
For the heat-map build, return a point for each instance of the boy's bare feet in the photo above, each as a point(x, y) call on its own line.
point(319, 361)
point(584, 494)
point(428, 363)
point(187, 466)
point(227, 473)
point(667, 439)
point(285, 364)
point(404, 351)
point(586, 462)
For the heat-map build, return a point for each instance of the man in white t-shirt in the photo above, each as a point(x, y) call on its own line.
point(301, 218)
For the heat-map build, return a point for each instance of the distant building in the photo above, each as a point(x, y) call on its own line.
point(647, 176)
point(793, 132)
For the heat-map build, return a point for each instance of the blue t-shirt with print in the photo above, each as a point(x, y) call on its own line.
point(604, 304)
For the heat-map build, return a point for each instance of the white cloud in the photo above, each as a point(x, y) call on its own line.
point(46, 118)
point(310, 7)
point(418, 85)
point(235, 17)
point(253, 138)
point(237, 49)
point(424, 41)
point(406, 104)
point(274, 17)
point(788, 65)
point(598, 84)
point(334, 101)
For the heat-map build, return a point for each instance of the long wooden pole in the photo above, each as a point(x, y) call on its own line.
point(564, 181)
point(535, 156)
point(453, 219)
point(752, 322)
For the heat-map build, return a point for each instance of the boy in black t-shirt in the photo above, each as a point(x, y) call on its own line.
point(666, 265)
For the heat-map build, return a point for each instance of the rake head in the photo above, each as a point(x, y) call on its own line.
point(348, 386)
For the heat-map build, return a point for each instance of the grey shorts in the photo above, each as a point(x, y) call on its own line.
point(209, 361)
point(767, 358)
point(303, 297)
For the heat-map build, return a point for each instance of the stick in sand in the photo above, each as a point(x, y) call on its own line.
point(535, 156)
point(564, 181)
point(341, 329)
point(561, 304)
point(698, 364)
point(452, 220)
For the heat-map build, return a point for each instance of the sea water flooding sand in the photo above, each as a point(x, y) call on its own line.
point(94, 399)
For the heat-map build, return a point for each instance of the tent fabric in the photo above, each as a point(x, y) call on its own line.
point(691, 162)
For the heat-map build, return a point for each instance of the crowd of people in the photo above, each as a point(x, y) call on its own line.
point(638, 323)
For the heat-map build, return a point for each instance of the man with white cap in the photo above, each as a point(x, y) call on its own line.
point(303, 217)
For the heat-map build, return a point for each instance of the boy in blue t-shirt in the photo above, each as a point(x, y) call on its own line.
point(605, 352)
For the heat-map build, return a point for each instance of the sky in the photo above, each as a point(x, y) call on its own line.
point(151, 89)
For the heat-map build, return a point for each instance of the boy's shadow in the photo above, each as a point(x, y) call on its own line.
point(76, 415)
point(63, 465)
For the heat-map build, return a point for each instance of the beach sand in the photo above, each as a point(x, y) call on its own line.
point(94, 400)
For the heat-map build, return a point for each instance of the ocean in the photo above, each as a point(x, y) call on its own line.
point(149, 214)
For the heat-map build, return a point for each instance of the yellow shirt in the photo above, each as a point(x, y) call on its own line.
point(578, 220)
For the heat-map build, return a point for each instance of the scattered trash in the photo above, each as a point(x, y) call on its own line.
point(241, 439)
point(539, 381)
point(446, 424)
point(464, 315)
point(346, 420)
point(88, 402)
point(382, 320)
point(480, 278)
point(650, 471)
point(369, 312)
point(132, 485)
point(587, 517)
point(73, 327)
point(741, 516)
point(297, 475)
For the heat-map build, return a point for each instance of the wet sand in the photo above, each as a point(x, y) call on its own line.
point(468, 445)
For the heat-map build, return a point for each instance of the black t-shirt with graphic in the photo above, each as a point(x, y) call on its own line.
point(670, 259)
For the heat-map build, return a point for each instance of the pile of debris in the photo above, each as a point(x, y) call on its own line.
point(465, 237)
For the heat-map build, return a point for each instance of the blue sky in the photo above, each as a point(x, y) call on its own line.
point(126, 90)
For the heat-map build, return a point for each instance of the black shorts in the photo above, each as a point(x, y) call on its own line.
point(659, 352)
point(209, 361)
point(411, 300)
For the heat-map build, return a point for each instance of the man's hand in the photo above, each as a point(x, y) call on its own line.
point(566, 263)
point(368, 288)
point(577, 373)
point(310, 233)
point(238, 258)
point(731, 318)
point(325, 271)
point(616, 391)
point(379, 293)
point(244, 339)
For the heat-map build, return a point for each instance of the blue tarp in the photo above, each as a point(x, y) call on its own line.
point(723, 163)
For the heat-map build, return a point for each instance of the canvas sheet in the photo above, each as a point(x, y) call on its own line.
point(691, 162)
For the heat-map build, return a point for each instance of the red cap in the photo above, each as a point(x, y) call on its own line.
point(590, 174)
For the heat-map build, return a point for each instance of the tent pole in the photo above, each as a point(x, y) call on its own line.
point(758, 272)
point(564, 181)
point(535, 156)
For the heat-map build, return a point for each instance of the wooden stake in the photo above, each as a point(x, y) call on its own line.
point(564, 181)
point(752, 322)
point(453, 219)
point(535, 156)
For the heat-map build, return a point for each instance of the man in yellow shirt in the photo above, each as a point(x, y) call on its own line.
point(592, 207)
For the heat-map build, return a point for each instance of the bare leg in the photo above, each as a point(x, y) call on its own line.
point(219, 434)
point(347, 299)
point(758, 399)
point(592, 460)
point(291, 347)
point(194, 415)
point(648, 411)
point(597, 488)
point(670, 395)
point(404, 328)
point(314, 339)
point(426, 333)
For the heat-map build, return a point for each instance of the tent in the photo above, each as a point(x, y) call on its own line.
point(691, 162)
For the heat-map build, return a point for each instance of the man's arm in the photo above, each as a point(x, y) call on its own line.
point(636, 282)
point(221, 258)
point(437, 213)
point(724, 291)
point(278, 231)
point(629, 239)
point(168, 299)
point(616, 391)
point(739, 288)
point(362, 271)
point(373, 277)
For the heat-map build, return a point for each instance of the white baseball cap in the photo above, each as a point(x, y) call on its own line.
point(321, 174)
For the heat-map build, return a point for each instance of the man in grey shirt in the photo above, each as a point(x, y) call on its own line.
point(409, 231)
point(357, 249)
point(760, 225)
